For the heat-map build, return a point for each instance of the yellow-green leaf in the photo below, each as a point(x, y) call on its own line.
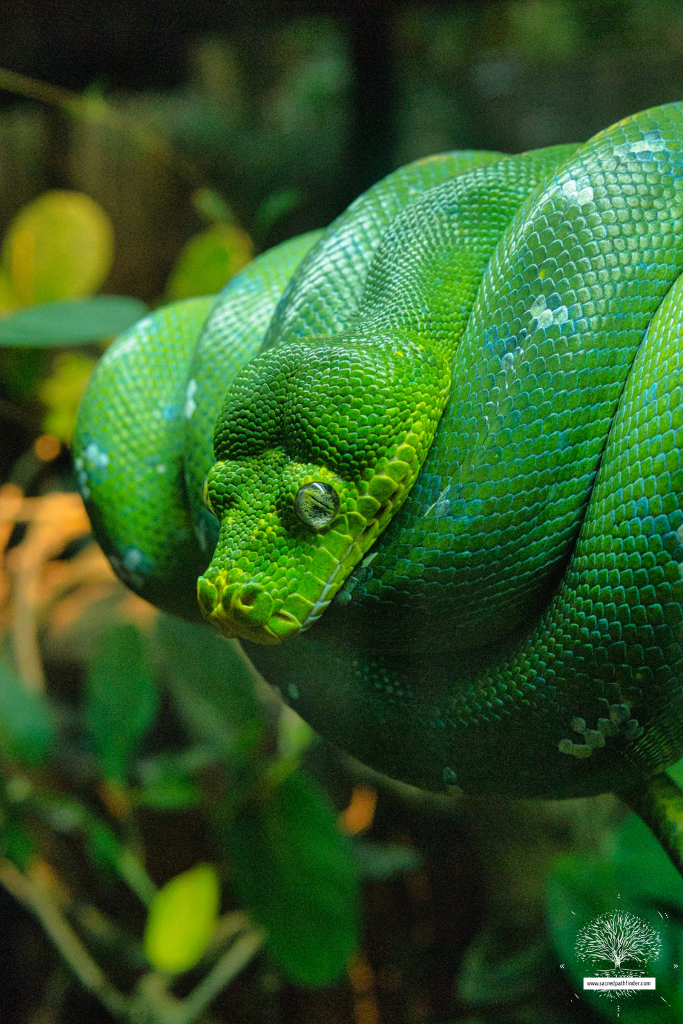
point(8, 298)
point(60, 246)
point(61, 392)
point(208, 261)
point(181, 919)
point(212, 207)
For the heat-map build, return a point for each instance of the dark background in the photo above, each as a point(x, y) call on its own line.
point(328, 96)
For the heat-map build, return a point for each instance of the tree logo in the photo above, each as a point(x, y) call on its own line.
point(628, 944)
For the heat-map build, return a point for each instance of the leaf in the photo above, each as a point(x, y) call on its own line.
point(181, 919)
point(62, 391)
point(121, 702)
point(8, 299)
point(211, 684)
point(274, 207)
point(296, 874)
point(107, 851)
point(168, 795)
point(212, 207)
point(174, 766)
point(293, 734)
point(72, 322)
point(635, 877)
point(16, 842)
point(208, 261)
point(60, 246)
point(62, 813)
point(26, 723)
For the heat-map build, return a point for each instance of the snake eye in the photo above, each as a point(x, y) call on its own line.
point(316, 504)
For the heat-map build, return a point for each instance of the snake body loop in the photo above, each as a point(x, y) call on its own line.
point(448, 434)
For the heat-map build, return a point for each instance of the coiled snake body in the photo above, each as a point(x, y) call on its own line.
point(448, 467)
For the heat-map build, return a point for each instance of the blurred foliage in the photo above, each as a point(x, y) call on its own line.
point(518, 74)
point(60, 246)
point(121, 700)
point(208, 261)
point(26, 721)
point(275, 844)
point(182, 918)
point(61, 392)
point(74, 321)
point(57, 250)
point(78, 770)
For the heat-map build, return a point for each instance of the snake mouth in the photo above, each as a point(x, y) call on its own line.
point(246, 608)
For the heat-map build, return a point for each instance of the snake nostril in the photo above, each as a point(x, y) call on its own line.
point(253, 604)
point(228, 594)
point(249, 594)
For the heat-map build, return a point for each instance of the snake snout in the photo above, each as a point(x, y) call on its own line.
point(244, 609)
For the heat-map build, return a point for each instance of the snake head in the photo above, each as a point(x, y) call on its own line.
point(317, 444)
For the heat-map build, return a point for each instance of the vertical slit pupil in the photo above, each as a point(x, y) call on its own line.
point(316, 504)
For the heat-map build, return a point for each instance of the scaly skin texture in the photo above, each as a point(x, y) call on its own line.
point(477, 369)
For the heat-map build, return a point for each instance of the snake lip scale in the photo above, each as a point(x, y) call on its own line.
point(440, 450)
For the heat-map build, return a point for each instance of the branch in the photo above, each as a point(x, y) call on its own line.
point(227, 968)
point(97, 110)
point(153, 988)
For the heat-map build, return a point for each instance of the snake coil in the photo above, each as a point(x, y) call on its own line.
point(447, 468)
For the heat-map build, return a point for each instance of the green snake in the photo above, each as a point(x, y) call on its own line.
point(426, 464)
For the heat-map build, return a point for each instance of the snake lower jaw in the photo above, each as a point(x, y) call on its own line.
point(278, 628)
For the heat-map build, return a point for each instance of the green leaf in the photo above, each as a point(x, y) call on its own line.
point(16, 842)
point(62, 813)
point(26, 723)
point(71, 322)
point(121, 702)
point(168, 795)
point(212, 207)
point(62, 391)
point(208, 261)
point(293, 734)
point(181, 919)
point(107, 851)
point(211, 684)
point(59, 246)
point(174, 766)
point(676, 772)
point(635, 877)
point(274, 207)
point(295, 873)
